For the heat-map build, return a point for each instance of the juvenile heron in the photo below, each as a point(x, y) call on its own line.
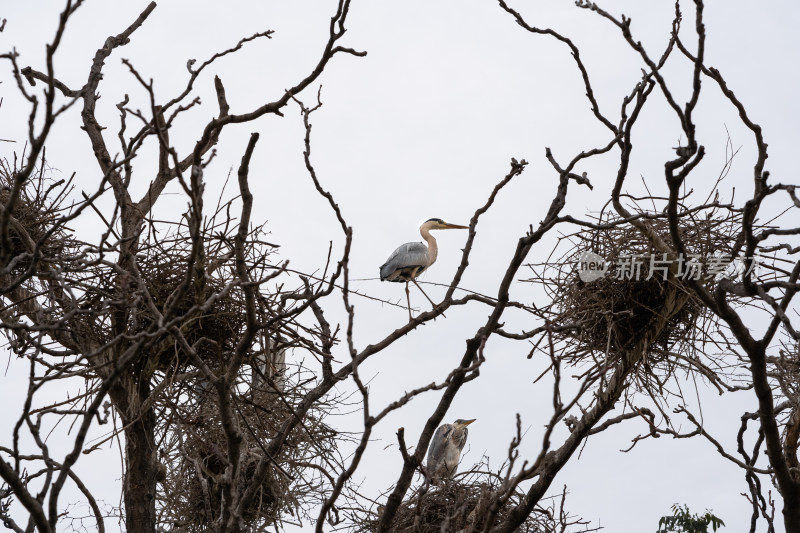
point(445, 449)
point(412, 258)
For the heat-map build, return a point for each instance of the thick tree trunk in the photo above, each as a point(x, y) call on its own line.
point(791, 511)
point(141, 468)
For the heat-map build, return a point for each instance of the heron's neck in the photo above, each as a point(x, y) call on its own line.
point(433, 250)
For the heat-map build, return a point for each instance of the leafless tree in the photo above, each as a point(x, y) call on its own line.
point(179, 329)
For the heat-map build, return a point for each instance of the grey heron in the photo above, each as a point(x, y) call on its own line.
point(445, 449)
point(412, 258)
point(269, 366)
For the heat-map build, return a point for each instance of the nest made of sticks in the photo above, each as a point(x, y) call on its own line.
point(212, 332)
point(202, 297)
point(192, 491)
point(459, 505)
point(600, 319)
point(32, 228)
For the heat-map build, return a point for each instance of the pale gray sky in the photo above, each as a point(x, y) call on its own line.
point(423, 127)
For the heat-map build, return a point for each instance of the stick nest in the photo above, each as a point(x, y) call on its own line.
point(193, 493)
point(598, 320)
point(212, 330)
point(32, 233)
point(458, 505)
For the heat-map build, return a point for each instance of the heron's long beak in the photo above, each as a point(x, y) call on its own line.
point(447, 225)
point(468, 422)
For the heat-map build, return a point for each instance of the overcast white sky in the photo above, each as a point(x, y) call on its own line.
point(423, 127)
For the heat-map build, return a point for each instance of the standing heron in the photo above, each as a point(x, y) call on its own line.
point(412, 258)
point(269, 366)
point(445, 449)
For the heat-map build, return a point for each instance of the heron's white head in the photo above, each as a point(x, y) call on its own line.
point(461, 423)
point(438, 223)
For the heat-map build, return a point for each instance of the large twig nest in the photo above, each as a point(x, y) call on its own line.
point(211, 330)
point(198, 292)
point(193, 490)
point(31, 229)
point(598, 317)
point(460, 505)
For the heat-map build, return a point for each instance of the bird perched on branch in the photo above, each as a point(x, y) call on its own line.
point(269, 366)
point(444, 452)
point(412, 258)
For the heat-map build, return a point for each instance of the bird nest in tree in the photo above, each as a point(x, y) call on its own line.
point(196, 459)
point(31, 228)
point(462, 505)
point(212, 331)
point(209, 309)
point(613, 286)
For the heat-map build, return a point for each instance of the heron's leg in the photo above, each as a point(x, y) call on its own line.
point(408, 300)
point(423, 292)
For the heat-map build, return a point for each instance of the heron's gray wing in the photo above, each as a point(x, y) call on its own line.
point(409, 255)
point(438, 447)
